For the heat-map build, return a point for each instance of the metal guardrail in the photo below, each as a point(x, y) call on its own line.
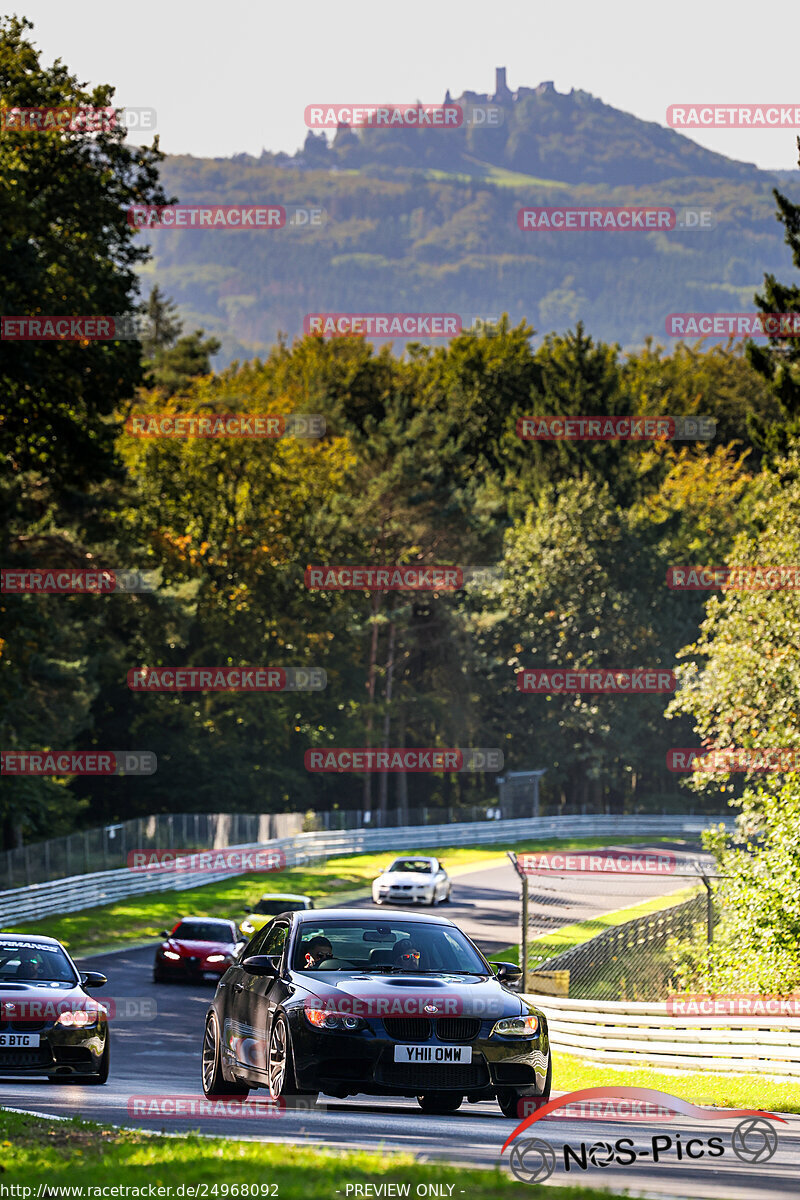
point(646, 1034)
point(80, 892)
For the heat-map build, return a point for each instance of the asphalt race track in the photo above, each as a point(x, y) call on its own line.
point(162, 1058)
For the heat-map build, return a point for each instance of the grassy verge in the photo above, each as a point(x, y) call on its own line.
point(141, 918)
point(699, 1087)
point(77, 1154)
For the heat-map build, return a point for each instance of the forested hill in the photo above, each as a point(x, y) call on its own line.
point(426, 221)
point(570, 137)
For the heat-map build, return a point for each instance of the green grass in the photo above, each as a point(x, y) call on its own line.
point(141, 918)
point(699, 1087)
point(500, 176)
point(78, 1154)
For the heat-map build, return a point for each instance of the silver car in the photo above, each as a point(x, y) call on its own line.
point(412, 879)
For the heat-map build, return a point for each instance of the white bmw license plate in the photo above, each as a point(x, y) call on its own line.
point(433, 1054)
point(19, 1040)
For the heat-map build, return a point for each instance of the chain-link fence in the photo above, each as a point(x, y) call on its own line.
point(596, 924)
point(107, 847)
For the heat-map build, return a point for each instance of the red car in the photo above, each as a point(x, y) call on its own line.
point(196, 947)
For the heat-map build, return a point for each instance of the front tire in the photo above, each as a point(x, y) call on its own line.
point(280, 1064)
point(214, 1082)
point(439, 1102)
point(509, 1098)
point(105, 1065)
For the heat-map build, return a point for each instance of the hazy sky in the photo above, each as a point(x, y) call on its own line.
point(231, 77)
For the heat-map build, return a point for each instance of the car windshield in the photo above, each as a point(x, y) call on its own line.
point(423, 866)
point(271, 908)
point(34, 963)
point(203, 931)
point(385, 946)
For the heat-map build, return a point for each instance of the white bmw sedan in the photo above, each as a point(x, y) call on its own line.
point(412, 880)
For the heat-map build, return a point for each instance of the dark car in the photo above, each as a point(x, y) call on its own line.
point(196, 947)
point(343, 1002)
point(49, 1025)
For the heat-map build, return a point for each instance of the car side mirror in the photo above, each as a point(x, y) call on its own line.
point(505, 970)
point(93, 979)
point(260, 964)
point(164, 933)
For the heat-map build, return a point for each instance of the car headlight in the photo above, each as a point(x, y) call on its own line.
point(170, 954)
point(217, 957)
point(323, 1018)
point(81, 1018)
point(247, 927)
point(516, 1027)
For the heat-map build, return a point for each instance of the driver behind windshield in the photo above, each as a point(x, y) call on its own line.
point(29, 967)
point(408, 956)
point(319, 949)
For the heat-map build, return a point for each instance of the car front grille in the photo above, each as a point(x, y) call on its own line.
point(408, 1029)
point(39, 1056)
point(421, 1076)
point(22, 1026)
point(418, 1029)
point(76, 1055)
point(457, 1029)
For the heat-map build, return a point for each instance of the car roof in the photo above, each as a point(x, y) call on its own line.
point(316, 915)
point(38, 939)
point(206, 921)
point(282, 896)
point(417, 857)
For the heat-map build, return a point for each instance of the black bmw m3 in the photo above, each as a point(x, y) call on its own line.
point(401, 1004)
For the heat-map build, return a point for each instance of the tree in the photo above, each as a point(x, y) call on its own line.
point(779, 362)
point(66, 248)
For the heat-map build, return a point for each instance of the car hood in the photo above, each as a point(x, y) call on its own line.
point(33, 998)
point(408, 995)
point(200, 947)
point(395, 877)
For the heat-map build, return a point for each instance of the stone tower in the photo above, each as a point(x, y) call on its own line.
point(501, 91)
